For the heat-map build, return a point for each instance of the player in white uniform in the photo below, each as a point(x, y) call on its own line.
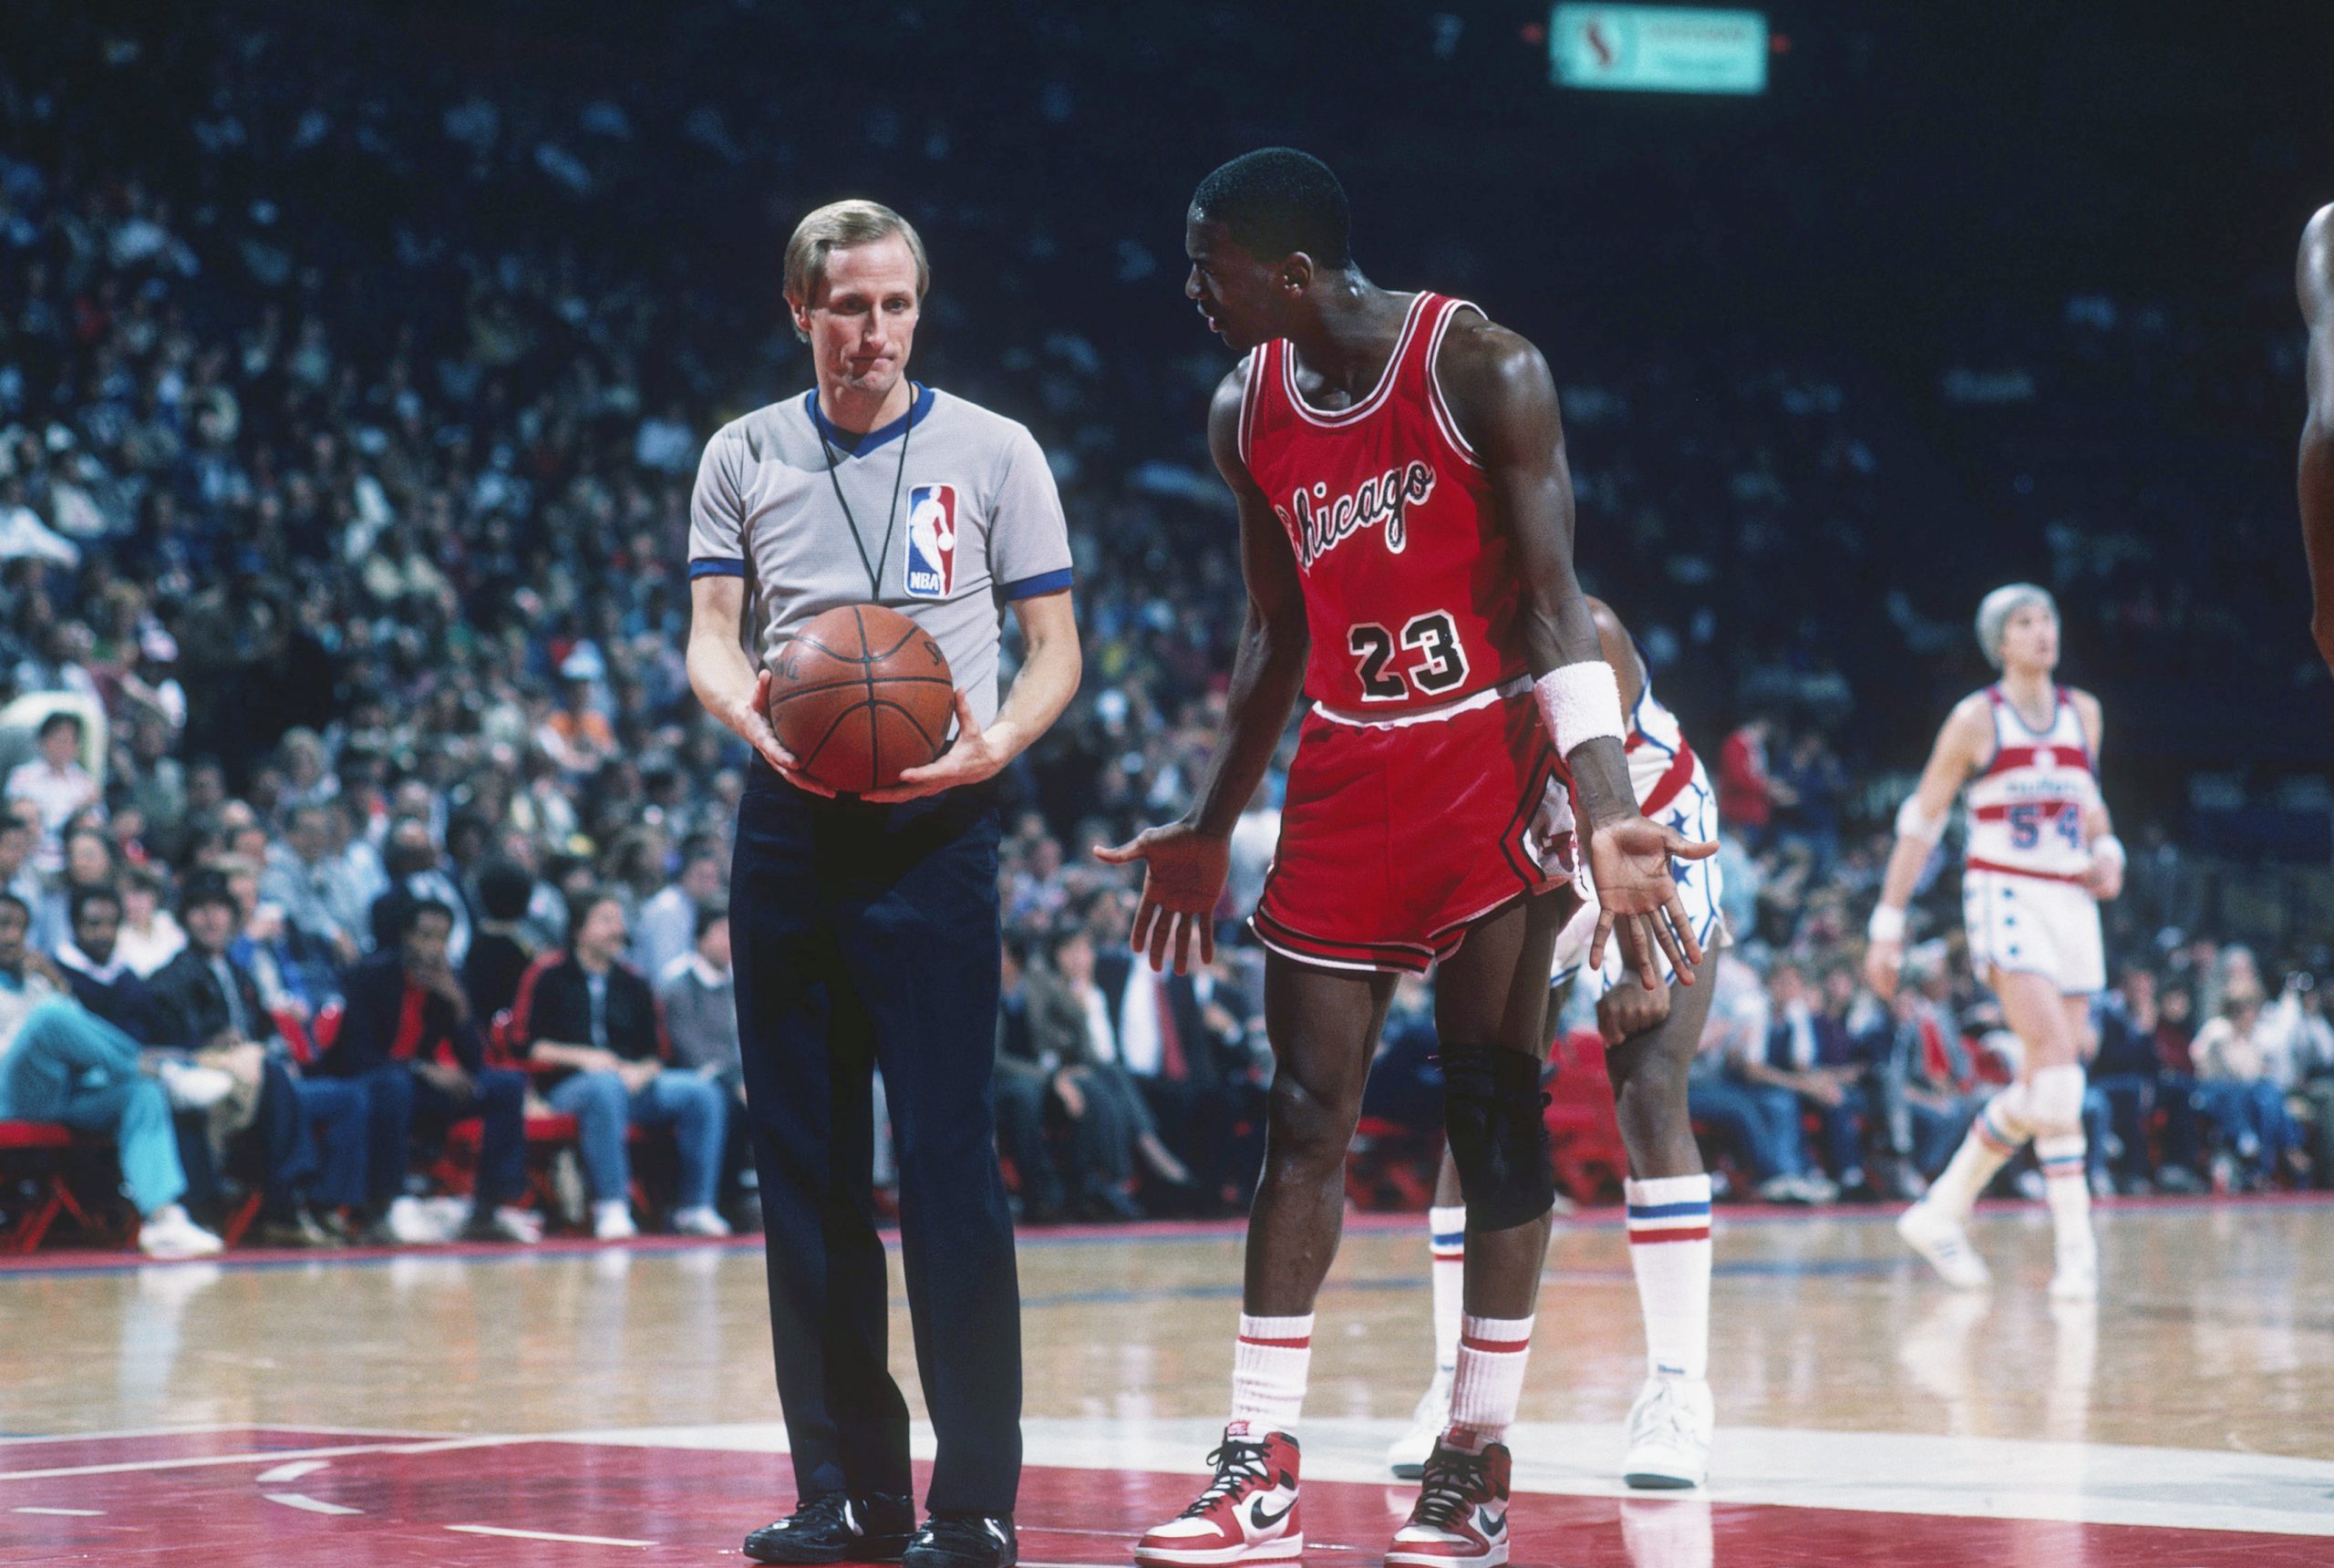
point(2041, 855)
point(1650, 1037)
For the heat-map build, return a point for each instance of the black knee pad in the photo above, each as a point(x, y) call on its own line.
point(1492, 1108)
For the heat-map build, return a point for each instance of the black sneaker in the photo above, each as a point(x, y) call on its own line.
point(963, 1540)
point(838, 1528)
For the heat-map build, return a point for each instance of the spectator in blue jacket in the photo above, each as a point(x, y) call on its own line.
point(60, 1062)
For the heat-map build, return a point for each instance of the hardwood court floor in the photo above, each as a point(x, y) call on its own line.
point(418, 1408)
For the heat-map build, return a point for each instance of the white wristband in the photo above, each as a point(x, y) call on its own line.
point(2108, 847)
point(1887, 924)
point(1579, 702)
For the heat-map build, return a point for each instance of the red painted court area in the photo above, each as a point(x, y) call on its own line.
point(355, 1501)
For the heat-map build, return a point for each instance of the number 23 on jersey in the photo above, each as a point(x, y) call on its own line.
point(1426, 655)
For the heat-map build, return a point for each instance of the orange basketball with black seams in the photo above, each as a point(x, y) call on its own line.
point(860, 695)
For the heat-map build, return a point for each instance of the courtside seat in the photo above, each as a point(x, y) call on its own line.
point(548, 1132)
point(1392, 1165)
point(41, 1149)
point(20, 1135)
point(1584, 1136)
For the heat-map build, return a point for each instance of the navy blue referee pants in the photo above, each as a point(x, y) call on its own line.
point(868, 934)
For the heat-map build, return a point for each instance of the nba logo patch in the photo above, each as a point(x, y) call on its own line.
point(931, 542)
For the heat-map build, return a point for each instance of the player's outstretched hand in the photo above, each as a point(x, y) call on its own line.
point(1884, 967)
point(1629, 859)
point(752, 725)
point(975, 754)
point(1183, 871)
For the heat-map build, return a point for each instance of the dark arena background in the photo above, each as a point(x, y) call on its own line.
point(356, 364)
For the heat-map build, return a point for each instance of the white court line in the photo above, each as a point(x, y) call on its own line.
point(295, 1499)
point(139, 1432)
point(1882, 1472)
point(209, 1428)
point(406, 1432)
point(293, 1471)
point(200, 1462)
point(547, 1535)
point(65, 1512)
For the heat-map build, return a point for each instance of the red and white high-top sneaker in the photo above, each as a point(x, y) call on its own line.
point(1460, 1518)
point(1247, 1515)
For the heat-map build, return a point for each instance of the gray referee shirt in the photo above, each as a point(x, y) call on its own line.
point(976, 524)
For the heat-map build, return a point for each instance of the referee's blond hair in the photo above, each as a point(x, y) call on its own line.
point(840, 226)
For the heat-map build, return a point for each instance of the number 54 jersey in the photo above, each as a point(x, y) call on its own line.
point(2023, 892)
point(1415, 804)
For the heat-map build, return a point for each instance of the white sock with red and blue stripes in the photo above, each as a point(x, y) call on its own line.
point(1669, 1252)
point(1268, 1370)
point(1447, 1239)
point(1489, 1382)
point(1999, 1131)
point(2066, 1187)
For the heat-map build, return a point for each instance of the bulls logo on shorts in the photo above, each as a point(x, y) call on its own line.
point(931, 542)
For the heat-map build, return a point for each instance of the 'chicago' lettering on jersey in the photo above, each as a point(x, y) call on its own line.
point(1319, 525)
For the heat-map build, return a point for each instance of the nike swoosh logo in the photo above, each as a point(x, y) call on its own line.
point(1490, 1523)
point(1262, 1521)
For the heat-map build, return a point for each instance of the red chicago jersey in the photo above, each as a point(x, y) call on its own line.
point(1409, 584)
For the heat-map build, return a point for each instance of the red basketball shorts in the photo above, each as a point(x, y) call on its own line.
point(1396, 836)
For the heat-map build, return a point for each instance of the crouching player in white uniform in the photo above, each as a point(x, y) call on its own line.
point(2041, 856)
point(1650, 1036)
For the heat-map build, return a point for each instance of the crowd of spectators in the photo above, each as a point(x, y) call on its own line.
point(357, 792)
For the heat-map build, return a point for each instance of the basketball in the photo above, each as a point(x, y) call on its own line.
point(860, 695)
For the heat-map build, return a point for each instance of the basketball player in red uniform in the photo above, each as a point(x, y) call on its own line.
point(2314, 280)
point(1406, 535)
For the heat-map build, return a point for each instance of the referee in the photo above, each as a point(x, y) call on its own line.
point(866, 927)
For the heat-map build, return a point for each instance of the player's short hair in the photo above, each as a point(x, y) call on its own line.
point(1277, 201)
point(1996, 608)
point(838, 226)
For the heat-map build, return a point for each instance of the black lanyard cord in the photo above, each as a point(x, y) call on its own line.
point(892, 514)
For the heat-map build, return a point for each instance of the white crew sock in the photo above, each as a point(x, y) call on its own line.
point(1489, 1380)
point(1268, 1368)
point(1993, 1138)
point(1669, 1252)
point(1447, 1239)
point(2066, 1189)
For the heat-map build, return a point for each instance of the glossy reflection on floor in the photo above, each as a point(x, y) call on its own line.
point(2182, 1419)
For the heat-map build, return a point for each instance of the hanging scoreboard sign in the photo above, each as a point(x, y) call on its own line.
point(1658, 48)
